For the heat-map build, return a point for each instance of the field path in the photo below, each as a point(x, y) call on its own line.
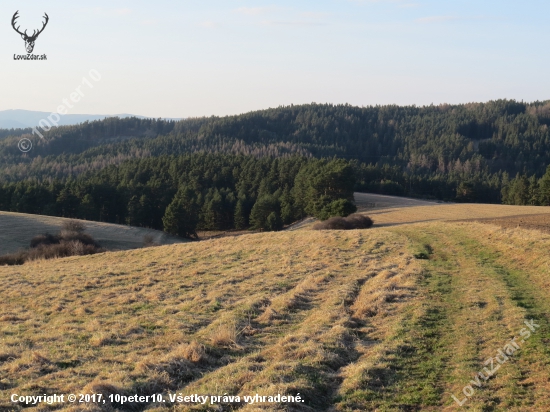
point(475, 300)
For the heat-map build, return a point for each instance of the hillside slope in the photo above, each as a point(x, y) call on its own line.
point(394, 210)
point(349, 320)
point(446, 151)
point(17, 230)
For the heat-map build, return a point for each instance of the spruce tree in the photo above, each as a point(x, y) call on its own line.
point(181, 215)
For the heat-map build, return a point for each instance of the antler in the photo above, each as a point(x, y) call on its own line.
point(43, 26)
point(13, 21)
point(34, 34)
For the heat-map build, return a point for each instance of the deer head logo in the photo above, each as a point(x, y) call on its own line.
point(29, 40)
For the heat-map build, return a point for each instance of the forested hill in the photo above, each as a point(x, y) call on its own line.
point(428, 150)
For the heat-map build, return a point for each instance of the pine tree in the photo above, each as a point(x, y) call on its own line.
point(133, 214)
point(287, 209)
point(544, 188)
point(262, 209)
point(273, 222)
point(181, 215)
point(87, 209)
point(68, 203)
point(240, 219)
point(534, 191)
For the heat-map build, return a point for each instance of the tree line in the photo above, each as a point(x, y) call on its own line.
point(527, 190)
point(183, 194)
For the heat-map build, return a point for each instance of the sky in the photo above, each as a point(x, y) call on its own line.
point(209, 57)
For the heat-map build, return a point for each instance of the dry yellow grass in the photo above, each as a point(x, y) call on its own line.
point(350, 320)
point(195, 316)
point(446, 212)
point(394, 210)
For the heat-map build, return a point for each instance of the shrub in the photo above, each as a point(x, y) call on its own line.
point(63, 249)
point(358, 221)
point(73, 226)
point(44, 240)
point(12, 259)
point(83, 238)
point(355, 221)
point(148, 241)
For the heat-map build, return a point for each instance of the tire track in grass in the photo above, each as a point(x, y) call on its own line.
point(434, 333)
point(306, 330)
point(375, 309)
point(488, 305)
point(443, 341)
point(403, 371)
point(525, 376)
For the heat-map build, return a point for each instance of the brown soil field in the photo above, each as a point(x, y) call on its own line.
point(530, 222)
point(393, 210)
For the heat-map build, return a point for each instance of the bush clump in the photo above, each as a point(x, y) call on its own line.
point(44, 240)
point(355, 221)
point(64, 236)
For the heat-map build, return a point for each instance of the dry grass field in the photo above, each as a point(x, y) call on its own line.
point(17, 230)
point(393, 210)
point(301, 312)
point(396, 318)
point(449, 212)
point(369, 201)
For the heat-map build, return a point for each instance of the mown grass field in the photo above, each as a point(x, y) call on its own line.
point(397, 318)
point(17, 230)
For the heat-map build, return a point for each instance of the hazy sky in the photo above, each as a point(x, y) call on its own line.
point(204, 57)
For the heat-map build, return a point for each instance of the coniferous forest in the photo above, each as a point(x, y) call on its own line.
point(268, 168)
point(183, 194)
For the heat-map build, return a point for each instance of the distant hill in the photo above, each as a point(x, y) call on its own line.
point(20, 119)
point(501, 135)
point(466, 152)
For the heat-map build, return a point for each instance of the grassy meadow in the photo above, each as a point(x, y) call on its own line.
point(17, 230)
point(396, 318)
